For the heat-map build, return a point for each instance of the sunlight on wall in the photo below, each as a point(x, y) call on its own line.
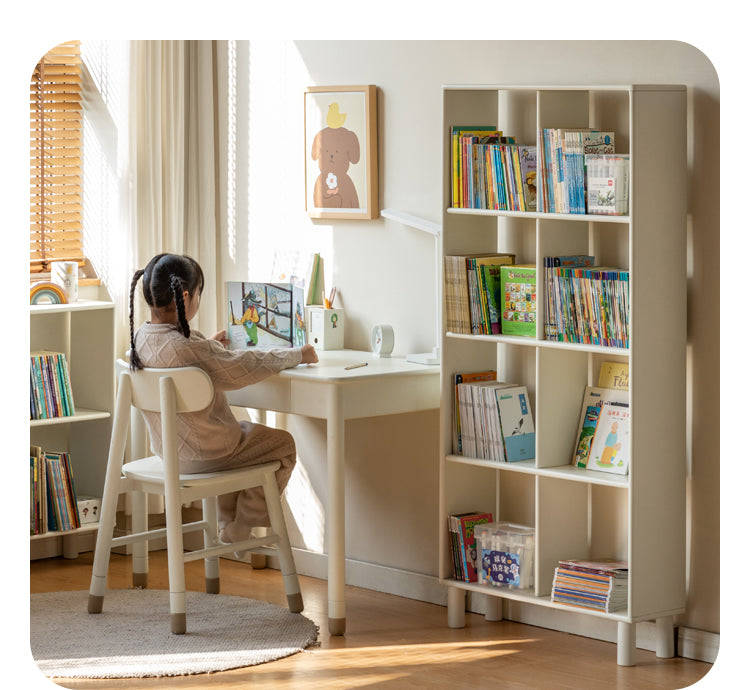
point(306, 509)
point(231, 171)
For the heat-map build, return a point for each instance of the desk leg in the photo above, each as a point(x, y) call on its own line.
point(336, 515)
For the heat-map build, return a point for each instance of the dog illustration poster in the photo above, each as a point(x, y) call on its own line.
point(341, 152)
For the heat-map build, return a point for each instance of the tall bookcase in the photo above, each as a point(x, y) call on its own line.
point(580, 513)
point(84, 331)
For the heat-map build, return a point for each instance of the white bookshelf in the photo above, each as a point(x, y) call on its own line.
point(84, 331)
point(578, 513)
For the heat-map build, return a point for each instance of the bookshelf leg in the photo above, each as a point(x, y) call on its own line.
point(665, 637)
point(626, 644)
point(494, 608)
point(456, 607)
point(70, 546)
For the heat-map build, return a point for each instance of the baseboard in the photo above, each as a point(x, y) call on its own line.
point(692, 644)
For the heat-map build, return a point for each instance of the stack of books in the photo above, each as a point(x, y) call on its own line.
point(463, 543)
point(493, 419)
point(51, 395)
point(54, 505)
point(600, 585)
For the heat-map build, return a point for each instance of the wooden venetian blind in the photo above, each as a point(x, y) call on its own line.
point(56, 158)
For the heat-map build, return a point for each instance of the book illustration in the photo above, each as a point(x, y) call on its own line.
point(610, 449)
point(265, 315)
point(614, 375)
point(594, 398)
point(519, 286)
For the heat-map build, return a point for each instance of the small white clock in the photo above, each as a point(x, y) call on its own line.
point(382, 340)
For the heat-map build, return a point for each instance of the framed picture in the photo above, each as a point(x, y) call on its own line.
point(341, 145)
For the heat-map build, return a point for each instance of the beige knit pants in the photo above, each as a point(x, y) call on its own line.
point(240, 511)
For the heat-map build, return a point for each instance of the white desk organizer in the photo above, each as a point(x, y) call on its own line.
point(325, 328)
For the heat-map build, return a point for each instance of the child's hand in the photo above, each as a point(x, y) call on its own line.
point(309, 356)
point(221, 337)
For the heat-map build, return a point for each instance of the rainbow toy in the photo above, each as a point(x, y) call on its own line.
point(44, 291)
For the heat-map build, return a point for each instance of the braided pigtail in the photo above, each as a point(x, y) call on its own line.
point(135, 360)
point(175, 282)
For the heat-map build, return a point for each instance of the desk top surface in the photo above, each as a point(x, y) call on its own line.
point(333, 367)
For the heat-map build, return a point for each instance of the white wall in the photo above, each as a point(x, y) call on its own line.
point(385, 272)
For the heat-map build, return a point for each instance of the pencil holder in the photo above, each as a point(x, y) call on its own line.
point(325, 328)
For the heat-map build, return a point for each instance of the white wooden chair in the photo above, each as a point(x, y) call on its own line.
point(172, 392)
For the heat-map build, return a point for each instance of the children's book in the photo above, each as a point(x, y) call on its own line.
point(464, 545)
point(614, 375)
point(457, 380)
point(594, 398)
point(610, 449)
point(527, 155)
point(517, 423)
point(265, 315)
point(518, 284)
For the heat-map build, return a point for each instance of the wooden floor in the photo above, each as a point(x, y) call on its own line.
point(390, 642)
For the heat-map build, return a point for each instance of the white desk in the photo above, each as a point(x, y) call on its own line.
point(327, 390)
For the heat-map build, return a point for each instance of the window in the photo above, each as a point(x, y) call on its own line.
point(56, 158)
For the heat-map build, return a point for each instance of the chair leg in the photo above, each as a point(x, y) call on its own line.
point(211, 538)
point(139, 506)
point(176, 562)
point(286, 559)
point(103, 545)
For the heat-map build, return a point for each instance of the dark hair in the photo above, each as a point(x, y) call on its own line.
point(165, 278)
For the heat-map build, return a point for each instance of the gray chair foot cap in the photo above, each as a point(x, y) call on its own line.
point(295, 602)
point(95, 603)
point(140, 580)
point(212, 585)
point(179, 624)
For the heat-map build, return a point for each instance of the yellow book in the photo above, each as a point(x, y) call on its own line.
point(614, 375)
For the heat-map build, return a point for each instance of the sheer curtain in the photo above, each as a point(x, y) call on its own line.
point(173, 161)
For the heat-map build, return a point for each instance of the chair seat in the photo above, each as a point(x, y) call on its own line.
point(151, 469)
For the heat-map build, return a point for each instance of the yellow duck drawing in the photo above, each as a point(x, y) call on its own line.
point(334, 118)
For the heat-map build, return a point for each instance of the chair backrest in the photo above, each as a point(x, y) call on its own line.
point(193, 387)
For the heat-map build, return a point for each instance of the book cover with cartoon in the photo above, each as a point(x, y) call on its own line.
point(610, 449)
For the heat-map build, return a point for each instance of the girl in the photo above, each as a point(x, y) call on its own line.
point(212, 439)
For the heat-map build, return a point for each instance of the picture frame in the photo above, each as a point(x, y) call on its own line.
point(341, 149)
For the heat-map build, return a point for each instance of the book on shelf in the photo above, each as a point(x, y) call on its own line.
point(458, 379)
point(265, 315)
point(610, 447)
point(554, 315)
point(492, 171)
point(563, 165)
point(607, 184)
point(518, 284)
point(594, 399)
point(588, 304)
point(517, 423)
point(38, 490)
point(494, 421)
point(463, 543)
point(598, 585)
point(57, 495)
point(614, 375)
point(50, 393)
point(472, 292)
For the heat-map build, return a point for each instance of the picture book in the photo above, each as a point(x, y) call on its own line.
point(517, 423)
point(518, 284)
point(557, 303)
point(463, 543)
point(527, 156)
point(265, 315)
point(610, 448)
point(594, 398)
point(458, 158)
point(614, 375)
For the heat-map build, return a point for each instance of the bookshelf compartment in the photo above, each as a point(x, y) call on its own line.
point(579, 513)
point(84, 332)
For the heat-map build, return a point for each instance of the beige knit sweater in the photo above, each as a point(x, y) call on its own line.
point(213, 434)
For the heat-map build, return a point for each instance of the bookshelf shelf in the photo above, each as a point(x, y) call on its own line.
point(84, 332)
point(584, 514)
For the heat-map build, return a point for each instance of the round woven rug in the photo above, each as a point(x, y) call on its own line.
point(131, 638)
